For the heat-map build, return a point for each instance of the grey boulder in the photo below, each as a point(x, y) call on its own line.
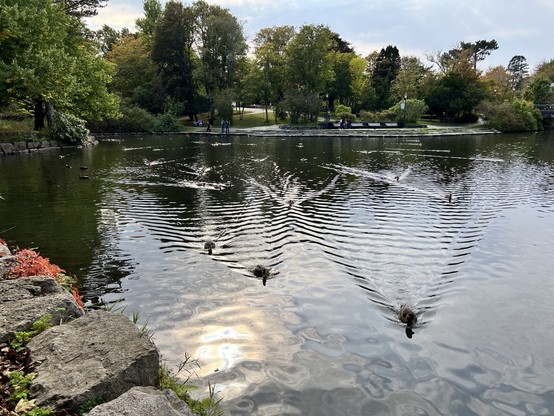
point(101, 354)
point(24, 301)
point(144, 401)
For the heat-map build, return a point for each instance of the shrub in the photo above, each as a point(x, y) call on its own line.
point(30, 263)
point(344, 112)
point(413, 111)
point(68, 128)
point(133, 119)
point(166, 122)
point(516, 116)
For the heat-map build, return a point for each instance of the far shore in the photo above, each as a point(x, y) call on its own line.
point(299, 131)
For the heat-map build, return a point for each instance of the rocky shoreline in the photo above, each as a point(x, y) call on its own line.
point(97, 356)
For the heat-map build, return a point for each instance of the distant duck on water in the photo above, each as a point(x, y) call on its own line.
point(209, 245)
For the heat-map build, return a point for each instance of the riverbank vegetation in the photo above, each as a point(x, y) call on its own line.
point(190, 61)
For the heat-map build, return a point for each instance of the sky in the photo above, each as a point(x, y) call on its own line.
point(415, 27)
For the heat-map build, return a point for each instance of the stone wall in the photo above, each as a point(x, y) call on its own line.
point(25, 147)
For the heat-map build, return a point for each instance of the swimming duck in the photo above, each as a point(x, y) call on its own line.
point(209, 245)
point(261, 271)
point(407, 316)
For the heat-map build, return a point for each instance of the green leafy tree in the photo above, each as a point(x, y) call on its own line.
point(359, 82)
point(44, 62)
point(464, 57)
point(152, 13)
point(546, 69)
point(479, 50)
point(498, 83)
point(81, 8)
point(220, 45)
point(268, 71)
point(411, 112)
point(244, 94)
point(309, 59)
point(454, 96)
point(409, 78)
point(172, 52)
point(340, 89)
point(538, 90)
point(223, 104)
point(301, 105)
point(387, 67)
point(136, 78)
point(518, 68)
point(107, 37)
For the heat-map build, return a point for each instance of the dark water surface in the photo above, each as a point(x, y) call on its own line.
point(347, 244)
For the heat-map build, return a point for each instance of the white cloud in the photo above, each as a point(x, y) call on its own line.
point(116, 15)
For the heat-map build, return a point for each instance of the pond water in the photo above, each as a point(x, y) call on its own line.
point(350, 229)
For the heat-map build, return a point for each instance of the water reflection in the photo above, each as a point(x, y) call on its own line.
point(317, 242)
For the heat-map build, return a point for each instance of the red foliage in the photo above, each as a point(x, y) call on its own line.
point(78, 298)
point(30, 263)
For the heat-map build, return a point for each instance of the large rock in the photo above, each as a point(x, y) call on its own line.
point(144, 401)
point(20, 146)
point(24, 301)
point(7, 148)
point(4, 250)
point(6, 264)
point(101, 354)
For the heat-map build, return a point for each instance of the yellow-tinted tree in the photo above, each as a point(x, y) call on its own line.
point(498, 83)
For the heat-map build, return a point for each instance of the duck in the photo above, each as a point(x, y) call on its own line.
point(261, 271)
point(407, 316)
point(209, 245)
point(83, 167)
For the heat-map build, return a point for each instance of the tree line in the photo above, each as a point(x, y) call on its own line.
point(191, 59)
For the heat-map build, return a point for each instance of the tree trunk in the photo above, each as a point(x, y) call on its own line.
point(50, 114)
point(39, 114)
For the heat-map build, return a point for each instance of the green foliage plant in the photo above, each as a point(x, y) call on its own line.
point(21, 338)
point(68, 128)
point(19, 384)
point(90, 404)
point(168, 379)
